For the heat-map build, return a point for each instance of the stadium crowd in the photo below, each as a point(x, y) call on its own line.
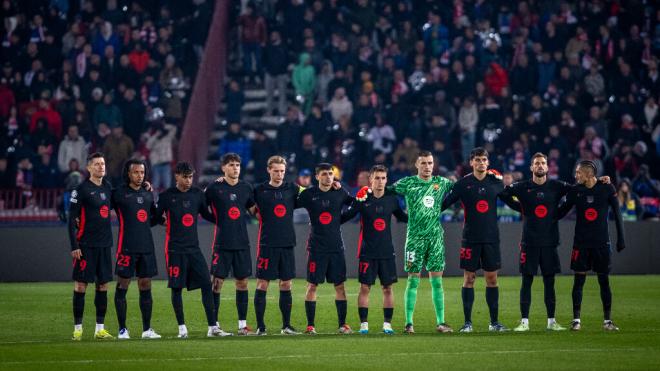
point(375, 81)
point(85, 76)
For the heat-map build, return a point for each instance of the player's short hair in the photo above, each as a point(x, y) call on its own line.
point(377, 169)
point(94, 156)
point(424, 153)
point(276, 160)
point(539, 154)
point(230, 157)
point(127, 168)
point(477, 152)
point(322, 167)
point(183, 168)
point(589, 165)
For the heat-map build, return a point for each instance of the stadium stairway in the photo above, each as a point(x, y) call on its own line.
point(252, 118)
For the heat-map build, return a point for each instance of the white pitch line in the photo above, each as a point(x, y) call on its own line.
point(338, 355)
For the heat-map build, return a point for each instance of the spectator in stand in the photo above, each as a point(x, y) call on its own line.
point(275, 62)
point(289, 133)
point(262, 149)
point(631, 208)
point(468, 119)
point(235, 99)
point(132, 114)
point(49, 115)
point(340, 105)
point(304, 82)
point(73, 147)
point(319, 124)
point(108, 113)
point(159, 140)
point(595, 144)
point(648, 189)
point(235, 141)
point(46, 174)
point(118, 148)
point(253, 39)
point(139, 58)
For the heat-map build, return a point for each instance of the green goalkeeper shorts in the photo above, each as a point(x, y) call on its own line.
point(420, 253)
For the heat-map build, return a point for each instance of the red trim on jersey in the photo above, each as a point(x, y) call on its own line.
point(121, 232)
point(81, 228)
point(261, 223)
point(167, 239)
point(215, 226)
point(360, 238)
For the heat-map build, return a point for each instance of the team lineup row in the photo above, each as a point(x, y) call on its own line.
point(228, 201)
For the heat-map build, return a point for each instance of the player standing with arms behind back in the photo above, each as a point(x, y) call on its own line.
point(480, 247)
point(425, 245)
point(90, 233)
point(276, 201)
point(591, 244)
point(375, 248)
point(136, 211)
point(185, 264)
point(230, 200)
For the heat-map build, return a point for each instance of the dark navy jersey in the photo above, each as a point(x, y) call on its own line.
point(592, 207)
point(539, 205)
point(181, 210)
point(479, 201)
point(89, 216)
point(375, 241)
point(136, 212)
point(229, 205)
point(324, 210)
point(275, 206)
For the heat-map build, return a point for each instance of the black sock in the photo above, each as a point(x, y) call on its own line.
point(526, 295)
point(146, 304)
point(260, 307)
point(177, 305)
point(120, 306)
point(605, 294)
point(216, 305)
point(285, 307)
point(310, 311)
point(341, 311)
point(578, 285)
point(78, 307)
point(242, 304)
point(101, 303)
point(549, 295)
point(493, 301)
point(207, 302)
point(388, 313)
point(363, 312)
point(467, 293)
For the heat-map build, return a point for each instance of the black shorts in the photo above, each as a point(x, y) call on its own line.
point(484, 256)
point(239, 262)
point(384, 269)
point(531, 257)
point(596, 259)
point(140, 265)
point(95, 265)
point(276, 263)
point(323, 267)
point(187, 270)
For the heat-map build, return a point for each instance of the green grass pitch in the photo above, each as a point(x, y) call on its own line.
point(36, 324)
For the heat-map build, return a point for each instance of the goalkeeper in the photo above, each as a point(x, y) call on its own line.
point(425, 246)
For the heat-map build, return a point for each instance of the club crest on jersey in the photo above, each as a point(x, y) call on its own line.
point(325, 203)
point(540, 195)
point(436, 186)
point(186, 203)
point(232, 196)
point(590, 199)
point(428, 201)
point(102, 194)
point(140, 199)
point(278, 195)
point(379, 210)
